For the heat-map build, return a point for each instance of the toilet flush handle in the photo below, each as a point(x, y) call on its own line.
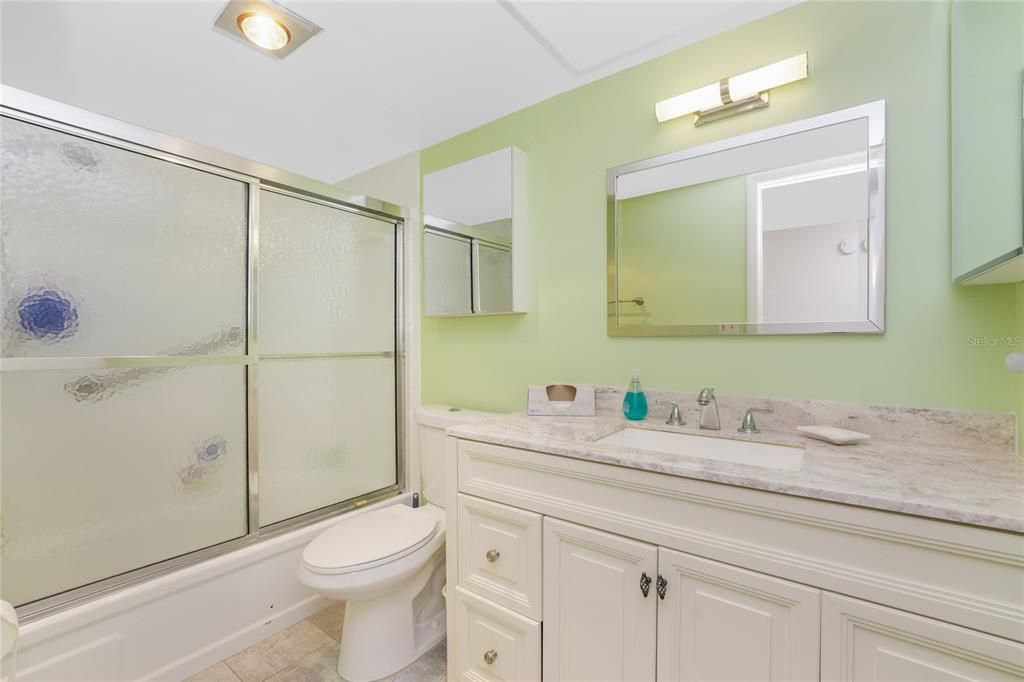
point(492, 555)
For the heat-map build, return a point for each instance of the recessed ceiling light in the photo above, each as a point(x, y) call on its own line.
point(263, 31)
point(266, 26)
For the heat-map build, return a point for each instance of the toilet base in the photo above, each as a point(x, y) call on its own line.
point(387, 633)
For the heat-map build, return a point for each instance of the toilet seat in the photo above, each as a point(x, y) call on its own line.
point(368, 540)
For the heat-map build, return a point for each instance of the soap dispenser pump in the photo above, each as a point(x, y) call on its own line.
point(634, 405)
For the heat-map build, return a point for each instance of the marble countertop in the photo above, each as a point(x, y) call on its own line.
point(981, 486)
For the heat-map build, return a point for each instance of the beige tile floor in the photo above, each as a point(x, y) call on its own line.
point(308, 652)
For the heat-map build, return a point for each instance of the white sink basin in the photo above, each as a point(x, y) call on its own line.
point(769, 455)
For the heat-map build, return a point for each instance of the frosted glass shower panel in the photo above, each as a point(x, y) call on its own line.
point(107, 252)
point(327, 279)
point(101, 482)
point(326, 430)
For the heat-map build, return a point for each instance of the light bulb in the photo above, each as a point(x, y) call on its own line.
point(264, 31)
point(707, 97)
point(768, 77)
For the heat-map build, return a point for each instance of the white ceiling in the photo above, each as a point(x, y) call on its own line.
point(381, 80)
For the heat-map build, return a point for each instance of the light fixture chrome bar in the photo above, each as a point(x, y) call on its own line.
point(733, 108)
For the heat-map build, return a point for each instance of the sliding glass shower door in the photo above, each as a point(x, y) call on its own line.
point(186, 356)
point(327, 355)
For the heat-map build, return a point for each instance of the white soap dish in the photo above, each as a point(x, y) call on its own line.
point(834, 435)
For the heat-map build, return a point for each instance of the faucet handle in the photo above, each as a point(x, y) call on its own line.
point(749, 425)
point(706, 396)
point(673, 417)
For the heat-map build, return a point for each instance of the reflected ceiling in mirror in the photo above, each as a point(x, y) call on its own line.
point(781, 231)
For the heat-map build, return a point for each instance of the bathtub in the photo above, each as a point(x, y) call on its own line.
point(177, 624)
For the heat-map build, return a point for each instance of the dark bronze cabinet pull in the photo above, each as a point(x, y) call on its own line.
point(645, 584)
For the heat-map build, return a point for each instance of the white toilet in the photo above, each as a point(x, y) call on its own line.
point(387, 565)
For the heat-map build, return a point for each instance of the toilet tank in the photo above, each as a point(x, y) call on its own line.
point(431, 421)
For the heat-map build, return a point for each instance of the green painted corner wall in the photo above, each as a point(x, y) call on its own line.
point(859, 52)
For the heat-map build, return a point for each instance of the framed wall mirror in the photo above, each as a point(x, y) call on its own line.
point(474, 237)
point(780, 231)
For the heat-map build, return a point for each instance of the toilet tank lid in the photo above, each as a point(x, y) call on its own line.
point(443, 416)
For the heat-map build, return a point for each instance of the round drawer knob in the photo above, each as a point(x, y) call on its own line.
point(490, 656)
point(492, 556)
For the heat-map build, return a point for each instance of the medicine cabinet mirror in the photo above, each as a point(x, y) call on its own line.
point(474, 238)
point(780, 231)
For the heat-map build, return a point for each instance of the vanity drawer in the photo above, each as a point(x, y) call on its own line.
point(500, 554)
point(493, 643)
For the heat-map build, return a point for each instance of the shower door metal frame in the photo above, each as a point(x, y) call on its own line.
point(34, 109)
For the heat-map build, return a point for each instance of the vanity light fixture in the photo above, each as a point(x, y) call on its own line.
point(266, 25)
point(733, 95)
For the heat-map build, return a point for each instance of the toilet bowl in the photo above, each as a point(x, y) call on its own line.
point(388, 566)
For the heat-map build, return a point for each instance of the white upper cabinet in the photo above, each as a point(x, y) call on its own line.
point(718, 622)
point(474, 236)
point(598, 622)
point(987, 72)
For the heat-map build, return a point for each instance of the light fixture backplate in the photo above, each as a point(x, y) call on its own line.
point(300, 29)
point(740, 106)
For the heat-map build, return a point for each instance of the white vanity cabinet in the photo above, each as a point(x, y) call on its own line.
point(566, 569)
point(719, 622)
point(600, 610)
point(864, 642)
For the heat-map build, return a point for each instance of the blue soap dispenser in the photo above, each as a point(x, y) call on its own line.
point(634, 406)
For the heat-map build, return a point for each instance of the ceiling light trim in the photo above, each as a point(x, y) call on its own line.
point(298, 28)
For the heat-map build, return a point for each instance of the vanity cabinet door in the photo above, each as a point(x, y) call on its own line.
point(863, 642)
point(598, 624)
point(719, 622)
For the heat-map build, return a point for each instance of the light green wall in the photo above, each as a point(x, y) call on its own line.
point(685, 252)
point(859, 52)
point(986, 71)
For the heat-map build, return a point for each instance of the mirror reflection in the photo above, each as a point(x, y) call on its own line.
point(469, 227)
point(782, 234)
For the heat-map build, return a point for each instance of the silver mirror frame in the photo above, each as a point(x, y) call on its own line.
point(874, 112)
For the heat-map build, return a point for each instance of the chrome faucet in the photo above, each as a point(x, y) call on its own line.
point(708, 410)
point(673, 417)
point(749, 425)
